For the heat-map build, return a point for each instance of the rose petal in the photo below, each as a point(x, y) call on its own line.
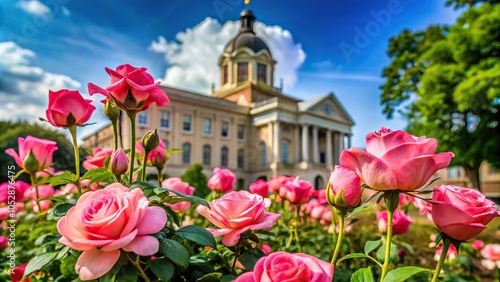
point(143, 246)
point(93, 264)
point(153, 221)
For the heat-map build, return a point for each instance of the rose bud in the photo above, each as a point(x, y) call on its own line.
point(119, 162)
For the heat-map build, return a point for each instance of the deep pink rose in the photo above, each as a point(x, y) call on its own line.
point(118, 163)
point(131, 89)
point(276, 182)
point(222, 180)
point(491, 255)
point(296, 191)
point(17, 273)
point(44, 191)
point(345, 188)
point(395, 160)
point(321, 196)
point(156, 157)
point(477, 245)
point(424, 207)
point(68, 108)
point(98, 158)
point(237, 212)
point(451, 254)
point(461, 213)
point(287, 267)
point(400, 222)
point(15, 190)
point(176, 184)
point(259, 187)
point(104, 221)
point(41, 149)
point(4, 242)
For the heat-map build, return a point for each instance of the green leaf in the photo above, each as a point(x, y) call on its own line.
point(127, 274)
point(408, 247)
point(403, 273)
point(228, 278)
point(353, 255)
point(63, 178)
point(163, 268)
point(176, 252)
point(62, 252)
point(151, 189)
point(197, 234)
point(47, 239)
point(67, 266)
point(393, 253)
point(359, 209)
point(363, 275)
point(38, 262)
point(371, 245)
point(61, 209)
point(211, 277)
point(99, 175)
point(172, 215)
point(250, 257)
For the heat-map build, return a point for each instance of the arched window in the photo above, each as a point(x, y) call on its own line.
point(263, 154)
point(207, 154)
point(242, 71)
point(285, 152)
point(186, 153)
point(224, 156)
point(318, 183)
point(241, 158)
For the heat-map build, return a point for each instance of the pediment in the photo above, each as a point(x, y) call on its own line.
point(327, 106)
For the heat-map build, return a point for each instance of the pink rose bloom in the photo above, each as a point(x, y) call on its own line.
point(5, 212)
point(18, 272)
point(477, 245)
point(491, 255)
point(395, 160)
point(68, 108)
point(156, 157)
point(42, 150)
point(461, 213)
point(118, 163)
point(424, 207)
point(259, 187)
point(176, 184)
point(98, 158)
point(222, 180)
point(400, 222)
point(19, 188)
point(321, 196)
point(282, 266)
point(266, 249)
point(452, 252)
point(237, 212)
point(131, 89)
point(345, 188)
point(48, 172)
point(104, 221)
point(4, 242)
point(44, 191)
point(296, 191)
point(84, 183)
point(276, 182)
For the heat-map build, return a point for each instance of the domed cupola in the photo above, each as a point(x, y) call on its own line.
point(246, 37)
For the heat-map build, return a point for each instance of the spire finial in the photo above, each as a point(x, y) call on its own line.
point(247, 2)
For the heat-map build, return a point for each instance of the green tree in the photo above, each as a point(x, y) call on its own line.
point(446, 82)
point(195, 177)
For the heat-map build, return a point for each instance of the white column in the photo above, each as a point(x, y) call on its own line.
point(270, 142)
point(329, 155)
point(349, 140)
point(315, 145)
point(276, 139)
point(305, 143)
point(340, 143)
point(297, 143)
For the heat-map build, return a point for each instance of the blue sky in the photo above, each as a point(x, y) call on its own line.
point(320, 46)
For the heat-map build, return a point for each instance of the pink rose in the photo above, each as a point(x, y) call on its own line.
point(400, 222)
point(282, 266)
point(237, 212)
point(491, 255)
point(276, 182)
point(104, 221)
point(345, 188)
point(424, 207)
point(41, 150)
point(18, 272)
point(176, 184)
point(321, 196)
point(98, 158)
point(461, 213)
point(68, 108)
point(451, 254)
point(4, 242)
point(18, 188)
point(222, 180)
point(395, 160)
point(259, 187)
point(131, 89)
point(44, 191)
point(296, 191)
point(477, 245)
point(156, 157)
point(118, 163)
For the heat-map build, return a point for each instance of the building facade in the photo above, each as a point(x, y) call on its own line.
point(247, 125)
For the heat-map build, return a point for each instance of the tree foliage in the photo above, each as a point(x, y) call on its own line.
point(195, 177)
point(446, 82)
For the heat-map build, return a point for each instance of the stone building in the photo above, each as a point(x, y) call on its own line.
point(247, 125)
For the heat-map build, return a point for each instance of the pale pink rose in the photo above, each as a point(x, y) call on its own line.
point(296, 191)
point(118, 163)
point(276, 182)
point(156, 157)
point(345, 188)
point(237, 212)
point(477, 245)
point(42, 150)
point(98, 158)
point(222, 180)
point(326, 218)
point(405, 200)
point(44, 191)
point(176, 184)
point(68, 108)
point(424, 207)
point(4, 242)
point(107, 220)
point(85, 183)
point(131, 89)
point(259, 187)
point(395, 160)
point(461, 213)
point(491, 255)
point(452, 252)
point(400, 222)
point(321, 196)
point(282, 266)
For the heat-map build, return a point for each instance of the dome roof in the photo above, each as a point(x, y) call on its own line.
point(246, 37)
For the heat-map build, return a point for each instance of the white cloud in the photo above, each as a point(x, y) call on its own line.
point(33, 7)
point(193, 56)
point(24, 87)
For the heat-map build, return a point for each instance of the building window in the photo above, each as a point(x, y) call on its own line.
point(241, 132)
point(166, 143)
point(224, 156)
point(241, 158)
point(186, 153)
point(207, 126)
point(224, 129)
point(285, 152)
point(451, 172)
point(207, 154)
point(322, 157)
point(165, 120)
point(224, 75)
point(242, 72)
point(263, 157)
point(261, 73)
point(240, 184)
point(318, 183)
point(492, 170)
point(142, 118)
point(187, 123)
